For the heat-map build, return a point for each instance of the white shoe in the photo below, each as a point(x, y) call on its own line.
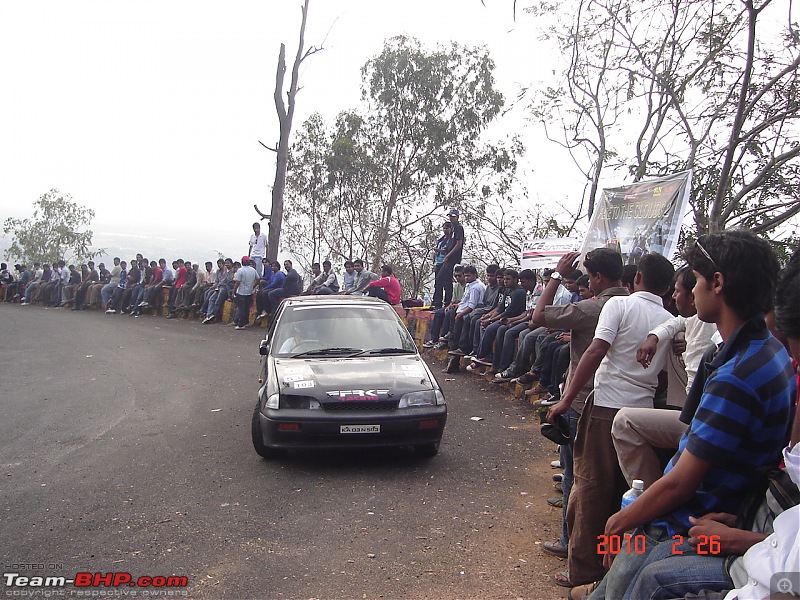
point(240, 327)
point(111, 311)
point(472, 366)
point(556, 464)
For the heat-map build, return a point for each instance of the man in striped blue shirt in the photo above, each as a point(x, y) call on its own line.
point(741, 423)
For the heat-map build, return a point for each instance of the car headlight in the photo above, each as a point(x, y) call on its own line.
point(273, 401)
point(423, 398)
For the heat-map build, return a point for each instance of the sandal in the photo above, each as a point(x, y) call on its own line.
point(582, 592)
point(562, 578)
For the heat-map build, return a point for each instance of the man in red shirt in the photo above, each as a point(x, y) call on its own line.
point(387, 288)
point(180, 279)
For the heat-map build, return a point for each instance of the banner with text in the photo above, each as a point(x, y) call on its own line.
point(640, 218)
point(544, 253)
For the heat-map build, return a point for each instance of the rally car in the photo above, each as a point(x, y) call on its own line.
point(343, 372)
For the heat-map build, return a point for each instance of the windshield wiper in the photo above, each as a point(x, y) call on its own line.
point(385, 351)
point(326, 351)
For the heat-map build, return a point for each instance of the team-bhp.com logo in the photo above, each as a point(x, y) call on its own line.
point(95, 580)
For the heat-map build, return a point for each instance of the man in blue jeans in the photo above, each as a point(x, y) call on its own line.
point(742, 417)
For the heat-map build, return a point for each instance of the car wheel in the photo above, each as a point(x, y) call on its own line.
point(258, 439)
point(426, 450)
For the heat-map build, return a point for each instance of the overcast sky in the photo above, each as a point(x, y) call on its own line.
point(150, 112)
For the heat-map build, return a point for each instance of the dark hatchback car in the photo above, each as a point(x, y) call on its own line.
point(343, 372)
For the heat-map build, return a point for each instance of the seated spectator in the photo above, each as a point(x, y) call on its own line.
point(316, 280)
point(363, 277)
point(222, 292)
point(330, 284)
point(470, 299)
point(349, 278)
point(291, 287)
point(113, 283)
point(181, 301)
point(32, 291)
point(486, 304)
point(126, 280)
point(209, 297)
point(93, 296)
point(387, 288)
point(205, 279)
point(440, 324)
point(509, 332)
point(73, 282)
point(741, 422)
point(514, 305)
point(91, 277)
point(155, 285)
point(583, 287)
point(17, 287)
point(6, 277)
point(275, 282)
point(180, 275)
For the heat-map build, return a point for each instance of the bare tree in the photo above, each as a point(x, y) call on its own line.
point(285, 112)
point(689, 85)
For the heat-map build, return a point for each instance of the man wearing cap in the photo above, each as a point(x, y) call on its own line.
point(444, 278)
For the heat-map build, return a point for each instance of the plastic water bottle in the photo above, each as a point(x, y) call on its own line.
point(426, 300)
point(633, 493)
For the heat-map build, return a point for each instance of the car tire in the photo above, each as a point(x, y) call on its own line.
point(262, 450)
point(426, 450)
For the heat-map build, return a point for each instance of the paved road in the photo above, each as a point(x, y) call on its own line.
point(126, 448)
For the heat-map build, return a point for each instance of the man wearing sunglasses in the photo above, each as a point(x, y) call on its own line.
point(740, 425)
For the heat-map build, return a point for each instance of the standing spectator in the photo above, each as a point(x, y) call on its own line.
point(257, 250)
point(443, 246)
point(618, 381)
point(444, 278)
point(604, 266)
point(387, 288)
point(244, 284)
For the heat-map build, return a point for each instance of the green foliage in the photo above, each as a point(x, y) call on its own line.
point(375, 184)
point(57, 230)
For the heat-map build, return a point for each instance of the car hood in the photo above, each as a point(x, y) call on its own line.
point(386, 377)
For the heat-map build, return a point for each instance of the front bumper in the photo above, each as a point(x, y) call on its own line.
point(322, 429)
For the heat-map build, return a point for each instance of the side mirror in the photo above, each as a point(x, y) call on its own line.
point(263, 347)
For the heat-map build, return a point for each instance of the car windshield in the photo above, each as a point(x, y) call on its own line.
point(339, 330)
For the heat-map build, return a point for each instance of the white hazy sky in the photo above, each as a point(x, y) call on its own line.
point(150, 112)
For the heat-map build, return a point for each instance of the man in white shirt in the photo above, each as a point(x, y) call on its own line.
point(619, 381)
point(257, 249)
point(638, 431)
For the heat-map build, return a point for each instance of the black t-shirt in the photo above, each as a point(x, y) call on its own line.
point(458, 234)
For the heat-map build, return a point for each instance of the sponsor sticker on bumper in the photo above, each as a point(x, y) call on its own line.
point(359, 429)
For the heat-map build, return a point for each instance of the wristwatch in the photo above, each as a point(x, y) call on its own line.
point(556, 275)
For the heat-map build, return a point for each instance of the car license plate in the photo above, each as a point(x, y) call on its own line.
point(359, 429)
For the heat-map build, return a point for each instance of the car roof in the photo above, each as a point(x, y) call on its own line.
point(333, 299)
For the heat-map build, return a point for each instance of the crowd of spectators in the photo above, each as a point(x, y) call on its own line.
point(186, 288)
point(671, 377)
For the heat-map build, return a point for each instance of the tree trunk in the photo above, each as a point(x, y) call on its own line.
point(285, 116)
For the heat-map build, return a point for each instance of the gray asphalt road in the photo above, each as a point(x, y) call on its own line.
point(126, 448)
